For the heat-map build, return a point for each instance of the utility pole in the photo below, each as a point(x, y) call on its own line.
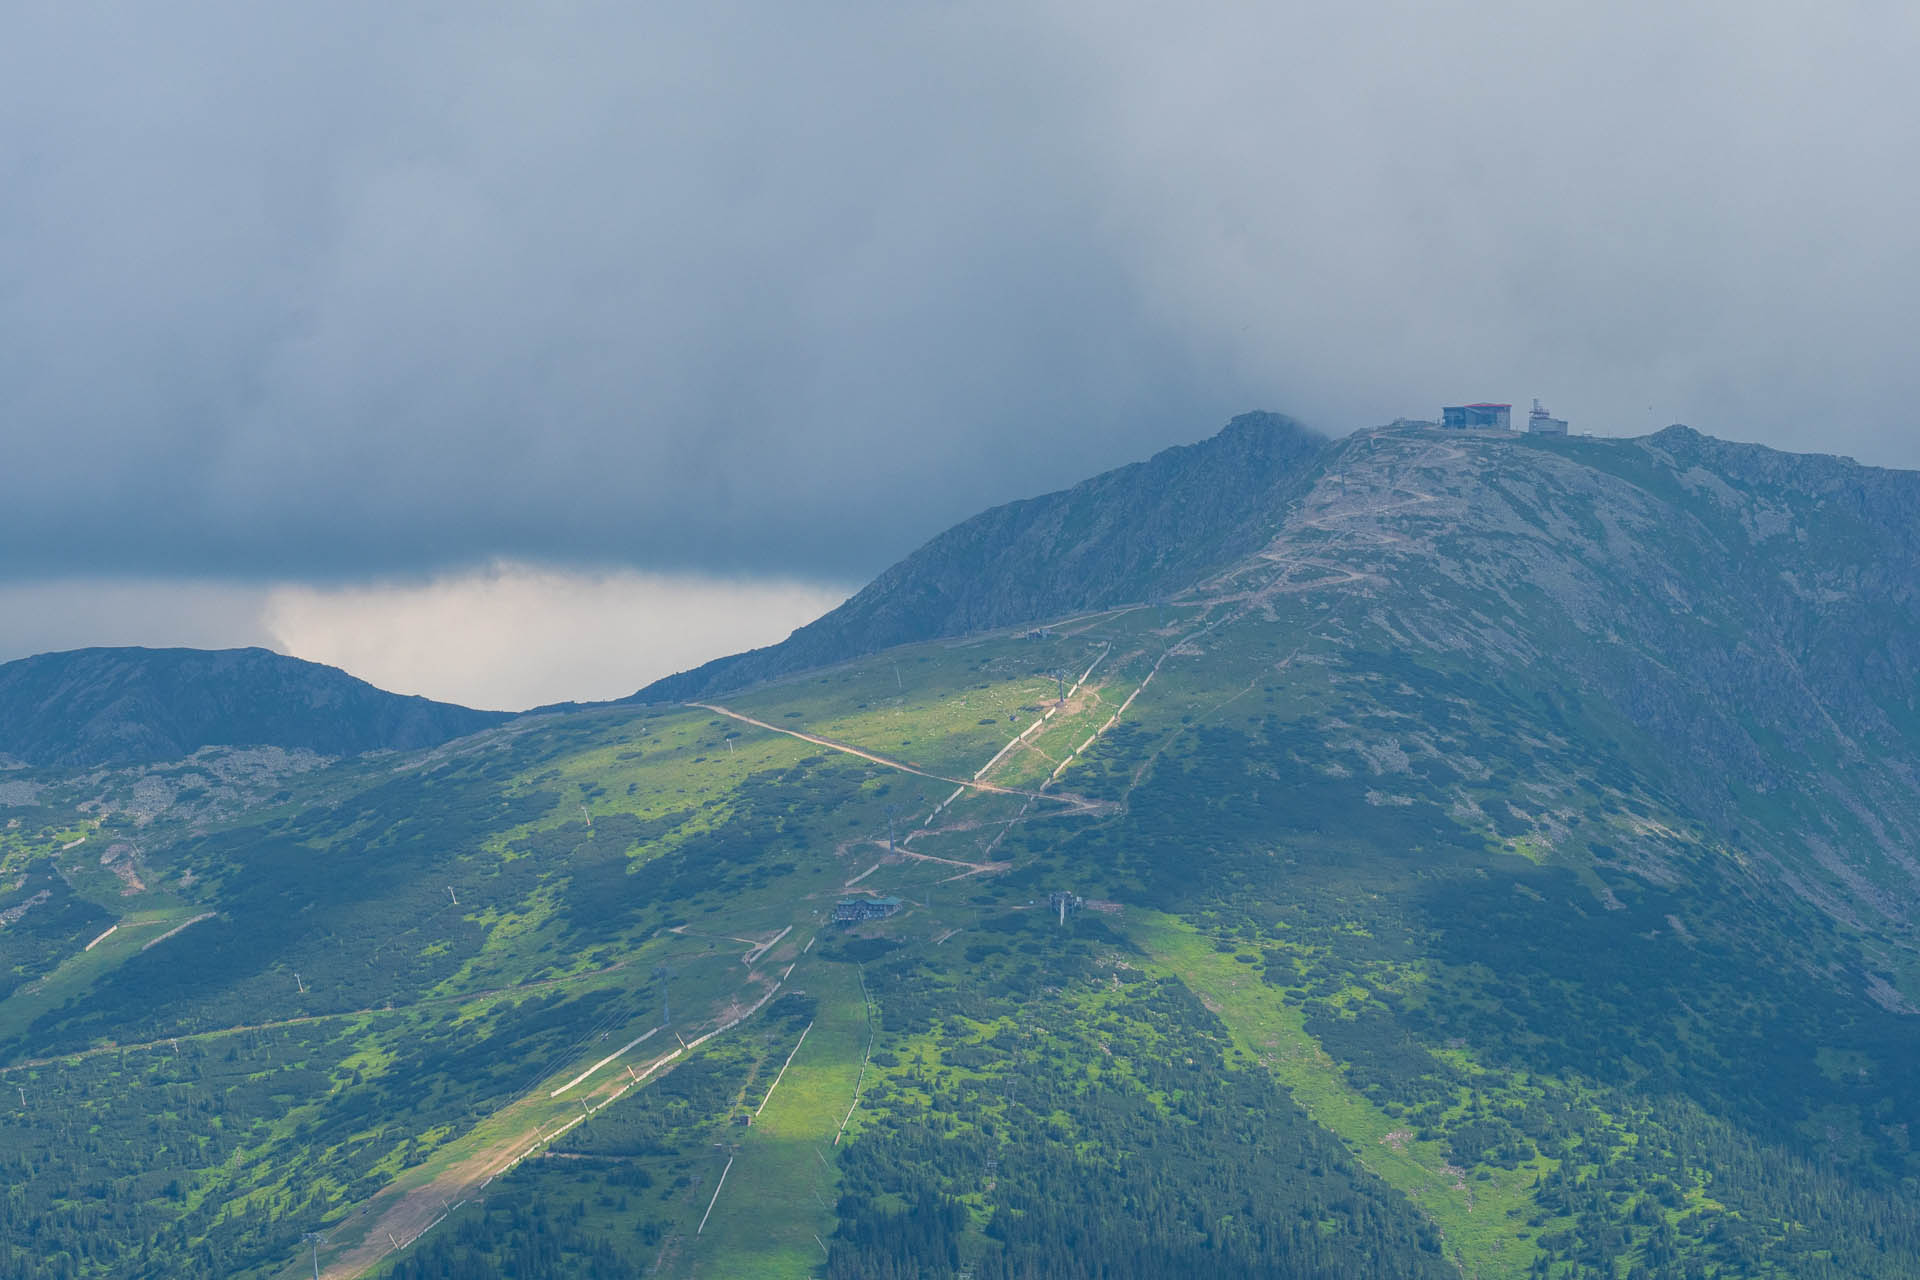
point(314, 1238)
point(451, 894)
point(298, 983)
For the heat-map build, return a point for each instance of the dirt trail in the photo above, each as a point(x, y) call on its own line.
point(274, 1024)
point(1282, 582)
point(1074, 803)
point(204, 915)
point(402, 1215)
point(954, 862)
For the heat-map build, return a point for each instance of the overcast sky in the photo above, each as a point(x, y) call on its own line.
point(696, 316)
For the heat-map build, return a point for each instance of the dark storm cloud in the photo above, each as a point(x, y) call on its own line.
point(785, 288)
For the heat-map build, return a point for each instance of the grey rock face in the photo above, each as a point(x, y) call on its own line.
point(1740, 623)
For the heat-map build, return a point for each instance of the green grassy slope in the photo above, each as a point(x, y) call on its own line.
point(1475, 1218)
point(778, 1202)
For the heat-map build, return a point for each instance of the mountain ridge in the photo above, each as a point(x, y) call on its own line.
point(121, 705)
point(1118, 537)
point(1265, 461)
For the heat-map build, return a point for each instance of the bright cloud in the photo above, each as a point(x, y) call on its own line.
point(507, 636)
point(513, 636)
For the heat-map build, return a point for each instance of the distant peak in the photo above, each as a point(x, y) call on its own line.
point(1264, 434)
point(86, 707)
point(1139, 531)
point(1263, 420)
point(1683, 441)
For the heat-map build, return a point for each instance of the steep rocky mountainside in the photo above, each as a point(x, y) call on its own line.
point(1745, 619)
point(116, 706)
point(1741, 621)
point(1127, 535)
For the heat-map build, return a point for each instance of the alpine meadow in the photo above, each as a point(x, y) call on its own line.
point(1422, 854)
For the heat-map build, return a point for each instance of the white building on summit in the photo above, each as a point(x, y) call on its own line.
point(1540, 423)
